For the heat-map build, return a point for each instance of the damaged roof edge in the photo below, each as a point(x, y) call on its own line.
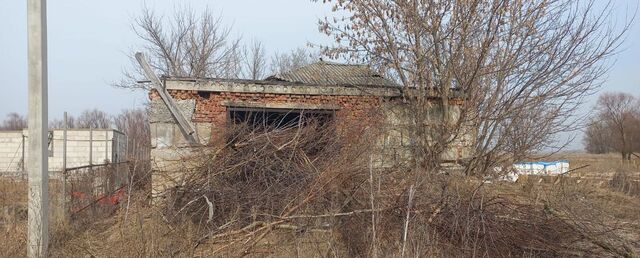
point(283, 87)
point(271, 81)
point(276, 87)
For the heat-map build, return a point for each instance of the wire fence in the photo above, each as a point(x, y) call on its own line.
point(87, 192)
point(69, 148)
point(96, 190)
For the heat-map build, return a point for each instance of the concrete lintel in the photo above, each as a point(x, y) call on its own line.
point(284, 88)
point(273, 105)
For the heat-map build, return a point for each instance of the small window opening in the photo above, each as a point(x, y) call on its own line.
point(204, 94)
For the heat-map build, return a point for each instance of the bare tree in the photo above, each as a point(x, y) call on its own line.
point(615, 125)
point(135, 125)
point(94, 118)
point(59, 123)
point(233, 66)
point(515, 71)
point(596, 137)
point(197, 44)
point(635, 132)
point(255, 61)
point(284, 62)
point(14, 121)
point(190, 44)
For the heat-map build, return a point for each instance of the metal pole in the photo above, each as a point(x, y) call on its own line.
point(64, 144)
point(63, 190)
point(126, 148)
point(90, 145)
point(24, 161)
point(106, 146)
point(114, 148)
point(38, 231)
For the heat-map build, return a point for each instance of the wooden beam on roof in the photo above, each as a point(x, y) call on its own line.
point(185, 127)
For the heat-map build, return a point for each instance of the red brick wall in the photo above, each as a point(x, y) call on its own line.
point(355, 111)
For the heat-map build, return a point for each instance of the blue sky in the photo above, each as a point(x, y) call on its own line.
point(89, 42)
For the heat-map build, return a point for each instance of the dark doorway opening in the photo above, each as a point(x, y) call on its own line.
point(264, 119)
point(281, 123)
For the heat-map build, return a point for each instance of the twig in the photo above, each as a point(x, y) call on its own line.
point(571, 170)
point(340, 214)
point(373, 214)
point(406, 221)
point(625, 251)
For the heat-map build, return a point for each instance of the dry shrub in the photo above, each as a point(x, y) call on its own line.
point(455, 217)
point(136, 230)
point(13, 240)
point(307, 182)
point(13, 201)
point(308, 192)
point(622, 181)
point(255, 173)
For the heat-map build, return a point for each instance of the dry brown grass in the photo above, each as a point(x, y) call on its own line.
point(599, 165)
point(517, 214)
point(14, 191)
point(141, 230)
point(329, 212)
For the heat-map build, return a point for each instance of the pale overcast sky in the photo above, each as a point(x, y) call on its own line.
point(89, 42)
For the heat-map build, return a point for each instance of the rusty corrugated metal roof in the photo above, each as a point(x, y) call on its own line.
point(328, 73)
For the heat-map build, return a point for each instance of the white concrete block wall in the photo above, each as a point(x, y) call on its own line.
point(78, 154)
point(542, 167)
point(11, 151)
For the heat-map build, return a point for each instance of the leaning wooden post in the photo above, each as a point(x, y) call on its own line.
point(185, 127)
point(38, 208)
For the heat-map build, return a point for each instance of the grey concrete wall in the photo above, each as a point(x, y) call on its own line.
point(169, 148)
point(397, 140)
point(107, 146)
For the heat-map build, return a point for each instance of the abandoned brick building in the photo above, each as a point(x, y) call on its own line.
point(350, 93)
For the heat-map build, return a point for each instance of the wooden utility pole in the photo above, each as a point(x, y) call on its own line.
point(38, 232)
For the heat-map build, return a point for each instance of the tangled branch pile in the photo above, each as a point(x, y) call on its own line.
point(323, 194)
point(258, 175)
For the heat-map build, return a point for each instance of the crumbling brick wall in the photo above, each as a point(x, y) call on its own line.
point(353, 112)
point(207, 111)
